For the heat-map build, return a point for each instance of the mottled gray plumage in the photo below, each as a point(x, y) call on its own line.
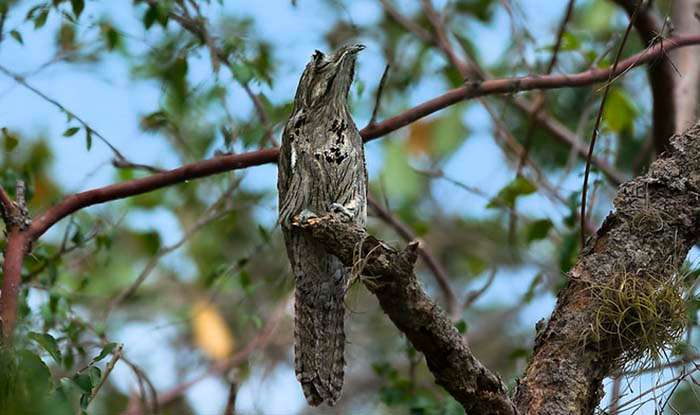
point(321, 169)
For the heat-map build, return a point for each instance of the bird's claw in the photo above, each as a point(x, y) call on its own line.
point(305, 217)
point(337, 208)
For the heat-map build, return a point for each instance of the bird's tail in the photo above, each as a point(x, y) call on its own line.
point(319, 334)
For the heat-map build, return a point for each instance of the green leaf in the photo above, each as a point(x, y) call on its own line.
point(48, 343)
point(40, 20)
point(597, 16)
point(35, 370)
point(84, 381)
point(150, 241)
point(507, 196)
point(242, 72)
point(538, 230)
point(95, 375)
point(150, 17)
point(10, 140)
point(106, 350)
point(461, 326)
point(530, 293)
point(398, 174)
point(110, 35)
point(17, 36)
point(88, 139)
point(481, 9)
point(71, 131)
point(246, 282)
point(78, 6)
point(84, 401)
point(30, 12)
point(449, 132)
point(569, 42)
point(619, 111)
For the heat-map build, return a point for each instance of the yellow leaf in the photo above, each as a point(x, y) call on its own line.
point(419, 137)
point(211, 334)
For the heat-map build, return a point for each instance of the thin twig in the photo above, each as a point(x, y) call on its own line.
point(7, 204)
point(211, 214)
point(472, 296)
point(21, 80)
point(540, 100)
point(257, 344)
point(231, 401)
point(409, 24)
point(380, 90)
point(598, 119)
point(116, 355)
point(437, 269)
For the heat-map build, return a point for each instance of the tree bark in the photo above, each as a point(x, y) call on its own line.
point(686, 19)
point(563, 375)
point(15, 250)
point(390, 276)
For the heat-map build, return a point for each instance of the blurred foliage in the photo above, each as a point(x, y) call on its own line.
point(215, 280)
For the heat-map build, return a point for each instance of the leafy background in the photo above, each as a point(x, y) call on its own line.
point(215, 276)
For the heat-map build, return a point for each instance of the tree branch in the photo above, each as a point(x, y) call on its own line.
point(598, 119)
point(238, 161)
point(686, 20)
point(391, 278)
point(423, 251)
point(662, 78)
point(230, 162)
point(16, 248)
point(555, 128)
point(6, 205)
point(651, 231)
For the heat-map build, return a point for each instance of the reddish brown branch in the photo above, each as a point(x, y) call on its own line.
point(15, 250)
point(134, 187)
point(238, 161)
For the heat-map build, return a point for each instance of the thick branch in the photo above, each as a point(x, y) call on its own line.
point(390, 276)
point(649, 234)
point(662, 77)
point(134, 187)
point(15, 249)
point(424, 252)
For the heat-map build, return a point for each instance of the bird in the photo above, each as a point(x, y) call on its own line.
point(321, 170)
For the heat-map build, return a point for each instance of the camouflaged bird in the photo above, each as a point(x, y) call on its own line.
point(321, 170)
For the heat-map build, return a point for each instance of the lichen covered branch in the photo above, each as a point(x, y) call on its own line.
point(389, 275)
point(655, 223)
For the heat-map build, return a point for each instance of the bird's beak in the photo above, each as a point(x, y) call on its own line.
point(356, 48)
